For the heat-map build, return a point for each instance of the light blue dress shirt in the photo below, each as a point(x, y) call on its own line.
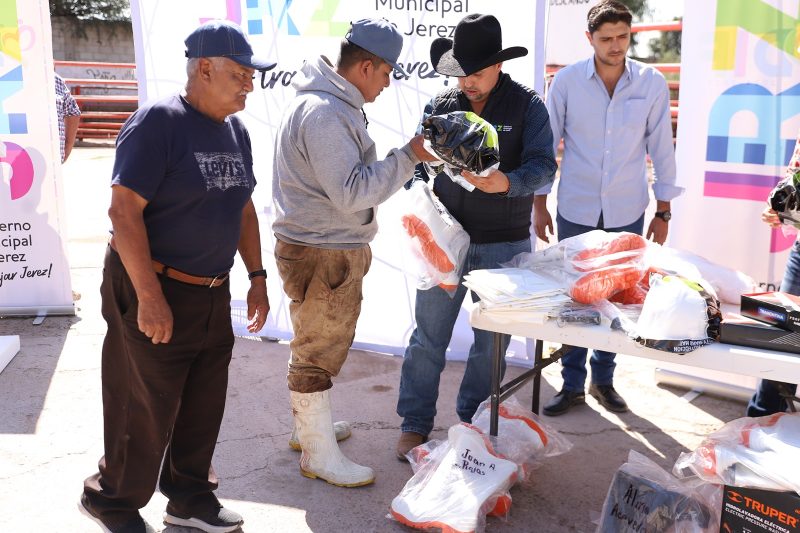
point(603, 169)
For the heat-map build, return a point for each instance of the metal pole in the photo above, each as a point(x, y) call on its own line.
point(496, 377)
point(537, 380)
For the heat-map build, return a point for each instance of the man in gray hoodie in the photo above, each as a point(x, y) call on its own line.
point(327, 184)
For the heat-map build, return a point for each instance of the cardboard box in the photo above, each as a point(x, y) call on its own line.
point(742, 331)
point(759, 511)
point(773, 308)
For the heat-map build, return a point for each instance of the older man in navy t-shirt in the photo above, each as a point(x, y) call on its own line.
point(180, 209)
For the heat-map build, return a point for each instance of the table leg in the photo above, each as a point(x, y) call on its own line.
point(783, 390)
point(497, 368)
point(537, 380)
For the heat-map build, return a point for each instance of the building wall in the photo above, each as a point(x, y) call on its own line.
point(94, 40)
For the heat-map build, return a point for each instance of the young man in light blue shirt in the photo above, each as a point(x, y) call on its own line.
point(611, 112)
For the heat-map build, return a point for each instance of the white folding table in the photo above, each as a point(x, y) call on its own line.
point(763, 364)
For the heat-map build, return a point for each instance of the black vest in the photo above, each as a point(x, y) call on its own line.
point(486, 217)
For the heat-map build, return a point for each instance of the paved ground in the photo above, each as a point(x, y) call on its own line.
point(51, 427)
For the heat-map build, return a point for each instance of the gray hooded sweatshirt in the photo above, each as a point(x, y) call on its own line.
point(327, 182)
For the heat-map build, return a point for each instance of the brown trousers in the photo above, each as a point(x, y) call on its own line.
point(160, 401)
point(324, 286)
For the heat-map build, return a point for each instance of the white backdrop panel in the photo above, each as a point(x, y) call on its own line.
point(566, 39)
point(739, 118)
point(34, 273)
point(293, 31)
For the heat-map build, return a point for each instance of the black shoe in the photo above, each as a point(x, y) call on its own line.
point(135, 524)
point(608, 398)
point(216, 519)
point(562, 401)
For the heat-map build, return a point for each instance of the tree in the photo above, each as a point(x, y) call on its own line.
point(666, 48)
point(91, 9)
point(637, 7)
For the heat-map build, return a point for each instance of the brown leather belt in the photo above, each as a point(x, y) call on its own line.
point(177, 275)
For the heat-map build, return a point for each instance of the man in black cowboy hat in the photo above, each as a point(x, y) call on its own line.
point(496, 215)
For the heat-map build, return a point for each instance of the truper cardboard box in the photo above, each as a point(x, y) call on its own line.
point(774, 308)
point(742, 331)
point(759, 511)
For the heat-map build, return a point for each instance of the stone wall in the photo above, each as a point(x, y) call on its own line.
point(94, 40)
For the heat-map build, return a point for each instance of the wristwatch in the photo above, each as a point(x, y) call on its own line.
point(257, 273)
point(664, 215)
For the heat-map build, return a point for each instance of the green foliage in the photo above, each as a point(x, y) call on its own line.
point(91, 9)
point(667, 47)
point(637, 7)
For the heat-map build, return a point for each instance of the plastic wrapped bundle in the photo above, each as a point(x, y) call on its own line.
point(458, 485)
point(726, 283)
point(644, 498)
point(437, 241)
point(521, 435)
point(784, 198)
point(430, 451)
point(678, 316)
point(594, 266)
point(462, 141)
point(758, 453)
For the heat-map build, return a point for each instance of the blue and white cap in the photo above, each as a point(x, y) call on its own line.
point(222, 38)
point(380, 37)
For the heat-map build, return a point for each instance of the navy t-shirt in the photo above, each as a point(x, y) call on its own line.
point(196, 174)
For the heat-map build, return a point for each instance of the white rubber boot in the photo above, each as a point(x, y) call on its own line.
point(321, 457)
point(341, 429)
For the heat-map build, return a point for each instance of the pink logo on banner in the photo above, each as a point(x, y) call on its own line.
point(21, 169)
point(779, 242)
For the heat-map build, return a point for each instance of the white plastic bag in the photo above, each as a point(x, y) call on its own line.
point(438, 243)
point(759, 453)
point(522, 437)
point(727, 284)
point(594, 266)
point(458, 485)
point(643, 497)
point(420, 455)
point(678, 316)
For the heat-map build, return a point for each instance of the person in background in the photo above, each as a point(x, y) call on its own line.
point(774, 396)
point(181, 207)
point(611, 112)
point(327, 184)
point(496, 215)
point(69, 116)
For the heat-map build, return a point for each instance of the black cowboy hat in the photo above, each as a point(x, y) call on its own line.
point(477, 44)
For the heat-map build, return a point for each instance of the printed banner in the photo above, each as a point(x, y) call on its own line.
point(568, 45)
point(34, 273)
point(739, 119)
point(290, 32)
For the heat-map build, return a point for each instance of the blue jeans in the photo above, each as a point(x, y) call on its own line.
point(436, 313)
point(574, 361)
point(767, 399)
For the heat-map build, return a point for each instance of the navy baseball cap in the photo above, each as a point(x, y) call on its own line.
point(222, 38)
point(380, 37)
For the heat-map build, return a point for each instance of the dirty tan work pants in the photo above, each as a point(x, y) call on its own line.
point(324, 286)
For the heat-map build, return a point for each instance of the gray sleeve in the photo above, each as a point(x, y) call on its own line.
point(332, 148)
